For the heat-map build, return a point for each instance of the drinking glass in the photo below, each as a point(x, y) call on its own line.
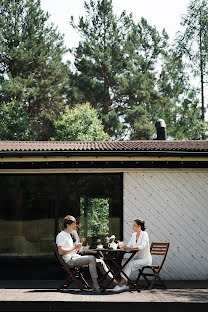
point(121, 245)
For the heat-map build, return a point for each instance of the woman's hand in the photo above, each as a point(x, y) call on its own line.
point(82, 239)
point(121, 245)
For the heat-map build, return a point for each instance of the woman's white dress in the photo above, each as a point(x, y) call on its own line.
point(141, 258)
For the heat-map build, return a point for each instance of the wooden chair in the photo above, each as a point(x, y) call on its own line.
point(74, 274)
point(158, 249)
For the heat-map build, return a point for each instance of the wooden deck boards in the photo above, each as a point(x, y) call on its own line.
point(45, 291)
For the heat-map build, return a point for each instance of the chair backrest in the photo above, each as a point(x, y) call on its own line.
point(160, 249)
point(61, 261)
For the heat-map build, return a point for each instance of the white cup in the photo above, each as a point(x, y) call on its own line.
point(99, 246)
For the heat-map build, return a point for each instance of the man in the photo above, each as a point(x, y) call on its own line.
point(69, 252)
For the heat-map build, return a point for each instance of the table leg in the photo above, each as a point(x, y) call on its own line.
point(120, 270)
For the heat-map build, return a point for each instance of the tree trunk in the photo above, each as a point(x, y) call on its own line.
point(201, 70)
point(106, 96)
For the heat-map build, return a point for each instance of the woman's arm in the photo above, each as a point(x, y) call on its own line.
point(132, 243)
point(135, 246)
point(132, 248)
point(144, 241)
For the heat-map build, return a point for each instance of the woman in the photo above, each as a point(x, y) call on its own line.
point(139, 241)
point(69, 252)
point(75, 233)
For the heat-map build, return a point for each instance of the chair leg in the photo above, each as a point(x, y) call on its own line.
point(141, 273)
point(157, 276)
point(161, 281)
point(69, 280)
point(152, 283)
point(138, 276)
point(84, 280)
point(76, 281)
point(65, 284)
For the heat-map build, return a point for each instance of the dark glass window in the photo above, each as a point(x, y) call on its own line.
point(32, 208)
point(27, 214)
point(96, 199)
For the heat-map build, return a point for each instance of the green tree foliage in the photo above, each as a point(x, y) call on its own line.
point(175, 85)
point(192, 45)
point(15, 123)
point(143, 101)
point(178, 80)
point(127, 71)
point(97, 221)
point(116, 63)
point(100, 60)
point(31, 69)
point(80, 123)
point(189, 125)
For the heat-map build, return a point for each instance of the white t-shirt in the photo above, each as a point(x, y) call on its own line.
point(64, 239)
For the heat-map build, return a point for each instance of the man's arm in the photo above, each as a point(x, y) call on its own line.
point(63, 251)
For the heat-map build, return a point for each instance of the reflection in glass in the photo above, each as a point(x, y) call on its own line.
point(96, 199)
point(32, 206)
point(27, 215)
point(94, 216)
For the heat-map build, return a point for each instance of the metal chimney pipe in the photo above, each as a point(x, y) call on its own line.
point(161, 129)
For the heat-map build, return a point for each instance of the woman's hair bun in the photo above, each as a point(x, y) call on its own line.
point(141, 222)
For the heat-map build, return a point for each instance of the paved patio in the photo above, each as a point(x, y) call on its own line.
point(43, 296)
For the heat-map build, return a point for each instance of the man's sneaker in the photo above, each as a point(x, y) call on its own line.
point(97, 290)
point(118, 289)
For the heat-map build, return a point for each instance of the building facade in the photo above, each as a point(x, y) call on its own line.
point(107, 185)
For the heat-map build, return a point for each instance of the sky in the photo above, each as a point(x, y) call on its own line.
point(159, 13)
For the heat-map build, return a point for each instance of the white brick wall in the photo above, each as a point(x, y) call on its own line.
point(175, 208)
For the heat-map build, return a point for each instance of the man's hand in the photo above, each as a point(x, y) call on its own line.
point(77, 246)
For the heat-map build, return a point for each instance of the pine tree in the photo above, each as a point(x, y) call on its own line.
point(100, 59)
point(143, 100)
point(31, 68)
point(116, 63)
point(184, 121)
point(192, 43)
point(184, 69)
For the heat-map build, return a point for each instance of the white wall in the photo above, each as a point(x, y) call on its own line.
point(175, 208)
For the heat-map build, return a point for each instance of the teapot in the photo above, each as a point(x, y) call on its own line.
point(113, 245)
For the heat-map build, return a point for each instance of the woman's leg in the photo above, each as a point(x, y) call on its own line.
point(132, 265)
point(127, 270)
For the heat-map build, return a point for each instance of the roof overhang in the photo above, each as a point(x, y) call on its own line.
point(107, 154)
point(114, 154)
